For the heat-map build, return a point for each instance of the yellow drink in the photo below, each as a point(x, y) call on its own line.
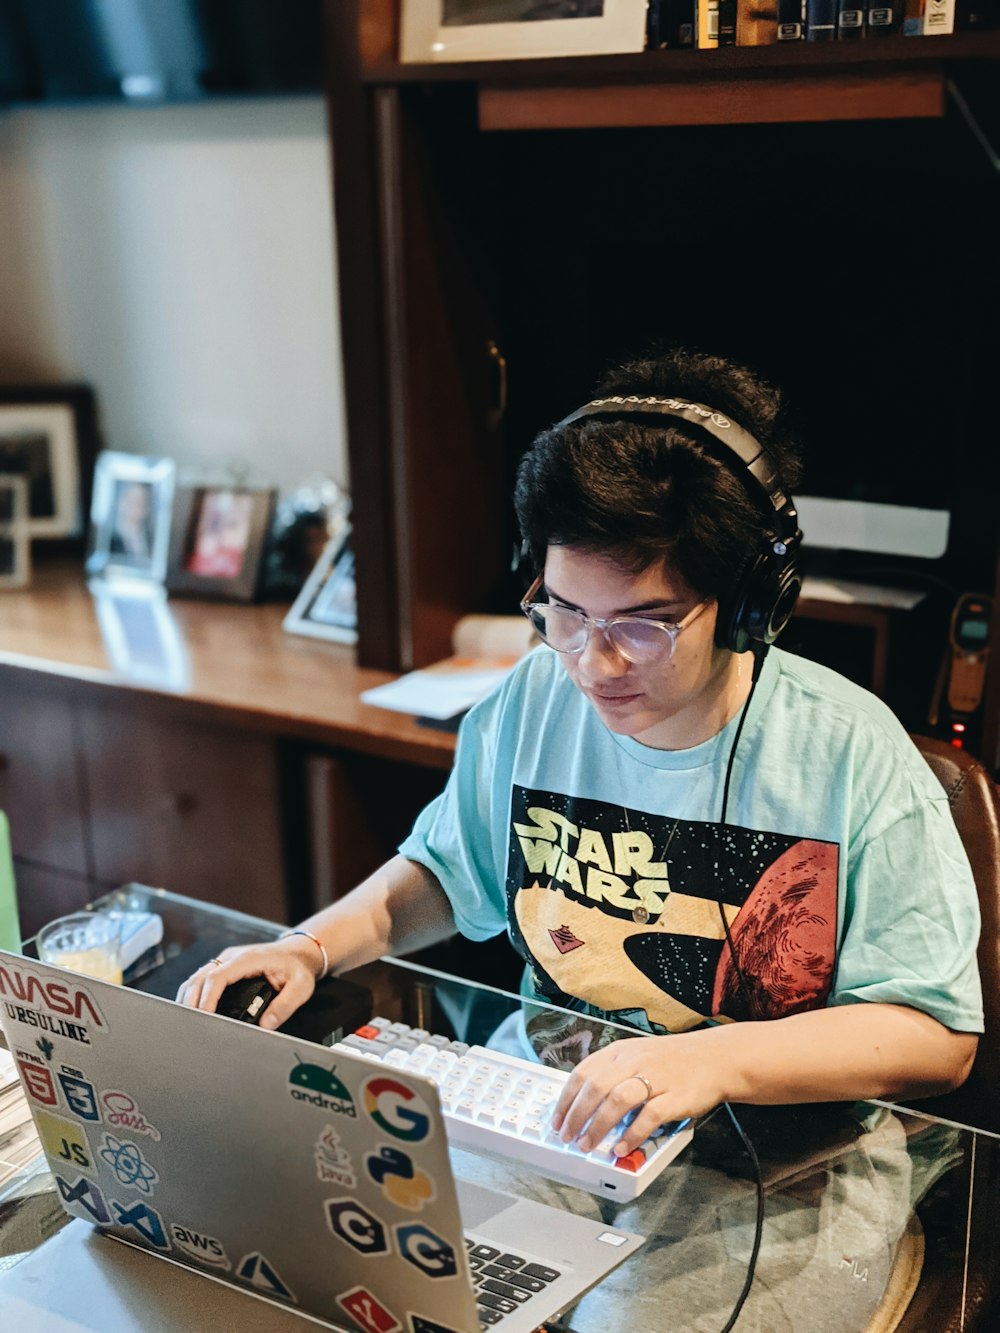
point(93, 963)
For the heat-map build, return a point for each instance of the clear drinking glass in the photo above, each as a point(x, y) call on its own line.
point(88, 942)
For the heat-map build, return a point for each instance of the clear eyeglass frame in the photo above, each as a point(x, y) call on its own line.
point(639, 639)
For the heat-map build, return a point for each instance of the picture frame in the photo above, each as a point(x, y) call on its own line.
point(326, 607)
point(218, 538)
point(434, 31)
point(130, 516)
point(48, 435)
point(141, 637)
point(15, 548)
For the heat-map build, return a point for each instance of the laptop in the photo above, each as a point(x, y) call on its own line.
point(312, 1179)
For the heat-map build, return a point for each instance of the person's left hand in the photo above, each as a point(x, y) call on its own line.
point(679, 1079)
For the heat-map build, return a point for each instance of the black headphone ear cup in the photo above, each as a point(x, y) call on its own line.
point(759, 604)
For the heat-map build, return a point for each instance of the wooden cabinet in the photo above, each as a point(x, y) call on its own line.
point(506, 229)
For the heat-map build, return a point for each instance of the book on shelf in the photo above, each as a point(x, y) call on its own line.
point(821, 20)
point(708, 24)
point(791, 25)
point(851, 19)
point(486, 648)
point(929, 18)
point(757, 22)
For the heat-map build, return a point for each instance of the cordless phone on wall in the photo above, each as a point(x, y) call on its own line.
point(958, 695)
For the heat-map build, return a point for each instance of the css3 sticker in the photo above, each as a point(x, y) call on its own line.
point(397, 1109)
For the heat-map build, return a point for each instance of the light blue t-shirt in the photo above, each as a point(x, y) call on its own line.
point(839, 869)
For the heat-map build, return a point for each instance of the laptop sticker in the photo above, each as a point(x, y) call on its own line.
point(37, 1078)
point(83, 1193)
point(64, 1140)
point(261, 1274)
point(333, 1162)
point(356, 1226)
point(418, 1324)
point(121, 1112)
point(80, 1094)
point(45, 1046)
point(397, 1109)
point(141, 1218)
point(196, 1245)
point(365, 1310)
point(59, 1008)
point(402, 1183)
point(128, 1164)
point(420, 1246)
point(320, 1086)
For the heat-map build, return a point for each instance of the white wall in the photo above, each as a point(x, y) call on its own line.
point(181, 260)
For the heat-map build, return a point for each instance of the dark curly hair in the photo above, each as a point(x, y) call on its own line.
point(641, 492)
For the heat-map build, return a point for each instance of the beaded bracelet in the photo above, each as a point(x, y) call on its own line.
point(319, 945)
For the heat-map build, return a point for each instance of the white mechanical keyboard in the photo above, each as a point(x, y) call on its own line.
point(502, 1105)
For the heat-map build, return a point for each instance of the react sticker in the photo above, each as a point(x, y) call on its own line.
point(128, 1164)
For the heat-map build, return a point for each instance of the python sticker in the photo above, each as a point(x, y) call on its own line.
point(56, 1008)
point(419, 1246)
point(369, 1313)
point(397, 1109)
point(402, 1183)
point(195, 1244)
point(320, 1086)
point(333, 1162)
point(356, 1226)
point(64, 1140)
point(128, 1164)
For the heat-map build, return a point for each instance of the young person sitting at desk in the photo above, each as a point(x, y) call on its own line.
point(678, 828)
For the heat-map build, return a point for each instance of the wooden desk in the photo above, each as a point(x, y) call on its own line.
point(260, 783)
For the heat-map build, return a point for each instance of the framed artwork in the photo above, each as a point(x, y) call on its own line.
point(327, 608)
point(441, 30)
point(15, 548)
point(218, 540)
point(48, 436)
point(130, 515)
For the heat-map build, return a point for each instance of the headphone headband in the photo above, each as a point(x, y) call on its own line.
point(761, 470)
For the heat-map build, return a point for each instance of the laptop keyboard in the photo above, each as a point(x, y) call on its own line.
point(503, 1281)
point(502, 1105)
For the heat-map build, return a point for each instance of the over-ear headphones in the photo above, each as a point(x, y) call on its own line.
point(754, 611)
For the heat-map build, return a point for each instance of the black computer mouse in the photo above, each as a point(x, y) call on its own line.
point(246, 999)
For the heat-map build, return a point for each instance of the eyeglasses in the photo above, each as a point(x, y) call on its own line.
point(636, 638)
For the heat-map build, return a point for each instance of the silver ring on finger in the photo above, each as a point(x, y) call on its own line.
point(645, 1083)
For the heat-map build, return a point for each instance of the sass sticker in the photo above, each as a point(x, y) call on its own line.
point(356, 1226)
point(370, 1313)
point(319, 1086)
point(80, 1094)
point(52, 1007)
point(195, 1244)
point(37, 1078)
point(425, 1250)
point(64, 1140)
point(402, 1183)
point(128, 1164)
point(397, 1109)
point(83, 1193)
point(333, 1162)
point(262, 1275)
point(122, 1112)
point(143, 1219)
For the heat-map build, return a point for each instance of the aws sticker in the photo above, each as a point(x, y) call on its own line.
point(195, 1244)
point(320, 1086)
point(64, 1140)
point(397, 1109)
point(425, 1250)
point(37, 1078)
point(142, 1219)
point(333, 1162)
point(402, 1183)
point(356, 1226)
point(370, 1313)
point(121, 1112)
point(83, 1194)
point(80, 1094)
point(261, 1274)
point(128, 1164)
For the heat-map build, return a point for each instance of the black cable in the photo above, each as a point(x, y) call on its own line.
point(758, 1230)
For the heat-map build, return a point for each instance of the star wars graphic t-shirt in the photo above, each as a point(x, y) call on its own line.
point(837, 877)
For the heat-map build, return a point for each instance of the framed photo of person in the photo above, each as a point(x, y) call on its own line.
point(130, 515)
point(218, 538)
point(327, 607)
point(442, 30)
point(15, 549)
point(48, 436)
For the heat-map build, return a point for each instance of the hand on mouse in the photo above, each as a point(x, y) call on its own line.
point(291, 965)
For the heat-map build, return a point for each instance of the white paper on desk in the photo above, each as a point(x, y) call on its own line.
point(850, 592)
point(443, 690)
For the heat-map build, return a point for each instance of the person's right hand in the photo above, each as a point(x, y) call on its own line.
point(291, 965)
